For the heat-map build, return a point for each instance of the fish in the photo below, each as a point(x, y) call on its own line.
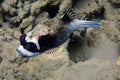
point(30, 47)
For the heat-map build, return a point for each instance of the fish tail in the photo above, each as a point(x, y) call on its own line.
point(89, 24)
point(77, 24)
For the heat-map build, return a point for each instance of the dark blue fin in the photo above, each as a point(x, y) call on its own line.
point(68, 16)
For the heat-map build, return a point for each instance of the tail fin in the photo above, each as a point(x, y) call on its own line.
point(77, 24)
point(68, 16)
point(89, 24)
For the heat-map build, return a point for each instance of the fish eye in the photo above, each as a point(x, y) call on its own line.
point(31, 47)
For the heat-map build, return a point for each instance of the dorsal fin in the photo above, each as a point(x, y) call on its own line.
point(68, 16)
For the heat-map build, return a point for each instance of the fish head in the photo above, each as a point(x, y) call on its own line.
point(28, 47)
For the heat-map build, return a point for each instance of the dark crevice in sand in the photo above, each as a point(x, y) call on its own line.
point(17, 24)
point(75, 2)
point(0, 59)
point(115, 3)
point(83, 48)
point(96, 14)
point(1, 1)
point(51, 9)
point(76, 45)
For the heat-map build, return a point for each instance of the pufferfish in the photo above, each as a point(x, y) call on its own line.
point(42, 42)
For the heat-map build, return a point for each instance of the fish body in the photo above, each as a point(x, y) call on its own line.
point(38, 44)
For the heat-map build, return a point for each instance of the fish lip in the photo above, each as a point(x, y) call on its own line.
point(19, 53)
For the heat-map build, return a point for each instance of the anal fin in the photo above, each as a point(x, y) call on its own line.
point(58, 49)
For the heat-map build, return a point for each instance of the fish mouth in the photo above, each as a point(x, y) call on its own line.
point(19, 53)
point(23, 53)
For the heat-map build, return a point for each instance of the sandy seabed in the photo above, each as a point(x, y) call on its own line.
point(93, 56)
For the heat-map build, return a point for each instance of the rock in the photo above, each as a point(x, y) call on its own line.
point(42, 18)
point(22, 13)
point(0, 45)
point(116, 3)
point(13, 12)
point(1, 16)
point(2, 32)
point(7, 5)
point(19, 5)
point(26, 22)
point(16, 34)
point(28, 29)
point(64, 5)
point(97, 13)
point(36, 6)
